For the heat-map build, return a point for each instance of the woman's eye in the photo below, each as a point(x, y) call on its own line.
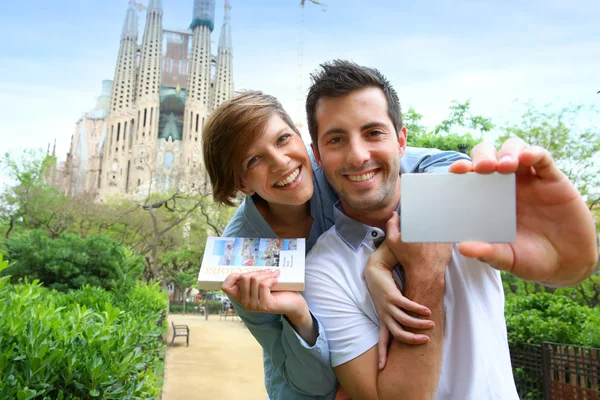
point(283, 138)
point(251, 162)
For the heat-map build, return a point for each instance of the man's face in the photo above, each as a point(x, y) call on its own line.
point(359, 149)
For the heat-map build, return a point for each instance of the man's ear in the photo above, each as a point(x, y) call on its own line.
point(316, 154)
point(245, 190)
point(402, 141)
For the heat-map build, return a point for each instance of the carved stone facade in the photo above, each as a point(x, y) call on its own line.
point(145, 132)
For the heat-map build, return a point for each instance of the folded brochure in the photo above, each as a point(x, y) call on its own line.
point(225, 255)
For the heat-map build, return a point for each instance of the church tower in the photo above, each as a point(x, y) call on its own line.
point(114, 169)
point(142, 163)
point(223, 81)
point(198, 100)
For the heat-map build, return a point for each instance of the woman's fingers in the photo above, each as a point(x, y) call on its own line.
point(412, 322)
point(382, 346)
point(264, 294)
point(411, 306)
point(230, 286)
point(248, 284)
point(409, 337)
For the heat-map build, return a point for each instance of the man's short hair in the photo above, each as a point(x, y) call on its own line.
point(338, 78)
point(228, 133)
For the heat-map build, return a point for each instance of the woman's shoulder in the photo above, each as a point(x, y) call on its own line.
point(247, 222)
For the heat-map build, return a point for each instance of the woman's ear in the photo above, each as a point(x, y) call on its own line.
point(245, 190)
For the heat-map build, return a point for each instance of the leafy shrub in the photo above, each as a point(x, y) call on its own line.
point(70, 262)
point(544, 317)
point(214, 307)
point(84, 344)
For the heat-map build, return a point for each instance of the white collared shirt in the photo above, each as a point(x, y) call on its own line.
point(476, 361)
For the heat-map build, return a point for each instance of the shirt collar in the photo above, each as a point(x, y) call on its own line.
point(355, 233)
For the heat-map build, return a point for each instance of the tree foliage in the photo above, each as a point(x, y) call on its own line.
point(69, 261)
point(543, 317)
point(574, 145)
point(461, 131)
point(30, 203)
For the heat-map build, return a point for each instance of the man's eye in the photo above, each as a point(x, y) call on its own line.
point(375, 133)
point(334, 140)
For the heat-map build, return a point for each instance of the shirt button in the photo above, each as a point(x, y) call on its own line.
point(374, 234)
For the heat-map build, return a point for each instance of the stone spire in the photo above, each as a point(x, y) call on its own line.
point(122, 109)
point(148, 83)
point(202, 25)
point(223, 84)
point(130, 26)
point(122, 96)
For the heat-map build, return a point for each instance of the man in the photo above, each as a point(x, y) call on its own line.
point(356, 127)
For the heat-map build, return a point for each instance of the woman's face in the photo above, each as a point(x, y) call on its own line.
point(277, 166)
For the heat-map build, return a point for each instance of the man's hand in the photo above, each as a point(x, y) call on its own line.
point(253, 291)
point(556, 236)
point(418, 259)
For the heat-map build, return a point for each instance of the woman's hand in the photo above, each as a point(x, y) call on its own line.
point(391, 305)
point(253, 291)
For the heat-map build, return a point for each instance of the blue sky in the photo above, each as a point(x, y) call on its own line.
point(54, 55)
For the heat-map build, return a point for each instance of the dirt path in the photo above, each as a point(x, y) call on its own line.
point(222, 362)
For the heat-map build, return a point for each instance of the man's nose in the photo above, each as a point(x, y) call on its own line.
point(357, 154)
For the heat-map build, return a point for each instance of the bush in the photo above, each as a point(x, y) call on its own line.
point(214, 307)
point(69, 261)
point(544, 317)
point(84, 344)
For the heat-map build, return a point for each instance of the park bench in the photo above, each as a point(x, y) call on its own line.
point(181, 330)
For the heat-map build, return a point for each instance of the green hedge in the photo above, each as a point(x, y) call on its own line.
point(84, 344)
point(543, 317)
point(214, 307)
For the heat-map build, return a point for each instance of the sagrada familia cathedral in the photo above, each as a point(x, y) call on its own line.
point(145, 132)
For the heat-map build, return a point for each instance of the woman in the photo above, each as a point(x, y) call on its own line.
point(251, 145)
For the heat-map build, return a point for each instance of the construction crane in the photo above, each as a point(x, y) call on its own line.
point(299, 91)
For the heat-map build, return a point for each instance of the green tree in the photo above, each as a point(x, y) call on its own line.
point(574, 146)
point(30, 203)
point(454, 133)
point(70, 262)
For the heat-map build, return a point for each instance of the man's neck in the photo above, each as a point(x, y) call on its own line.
point(376, 217)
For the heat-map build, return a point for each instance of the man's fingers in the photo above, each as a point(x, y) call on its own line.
point(485, 158)
point(542, 162)
point(382, 346)
point(508, 156)
point(498, 255)
point(461, 167)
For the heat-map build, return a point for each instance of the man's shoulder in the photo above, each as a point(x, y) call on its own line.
point(328, 249)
